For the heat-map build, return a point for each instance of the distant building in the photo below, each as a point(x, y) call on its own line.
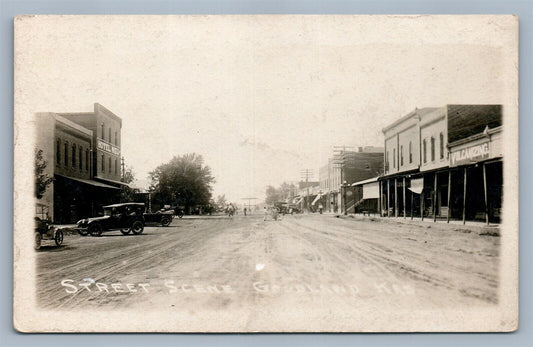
point(350, 166)
point(82, 151)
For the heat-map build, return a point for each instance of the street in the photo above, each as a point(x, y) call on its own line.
point(245, 263)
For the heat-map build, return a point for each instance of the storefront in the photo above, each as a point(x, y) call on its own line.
point(477, 175)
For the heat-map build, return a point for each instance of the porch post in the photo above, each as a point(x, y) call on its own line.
point(485, 191)
point(388, 197)
point(412, 204)
point(379, 197)
point(435, 188)
point(464, 198)
point(449, 195)
point(404, 207)
point(422, 200)
point(396, 197)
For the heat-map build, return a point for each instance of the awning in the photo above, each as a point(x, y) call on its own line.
point(417, 185)
point(89, 182)
point(316, 199)
point(112, 181)
point(370, 180)
point(371, 190)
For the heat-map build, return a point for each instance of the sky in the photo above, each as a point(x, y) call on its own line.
point(261, 98)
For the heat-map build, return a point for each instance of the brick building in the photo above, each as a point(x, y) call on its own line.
point(82, 151)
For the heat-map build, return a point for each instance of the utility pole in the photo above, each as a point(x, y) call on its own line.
point(249, 203)
point(306, 174)
point(339, 159)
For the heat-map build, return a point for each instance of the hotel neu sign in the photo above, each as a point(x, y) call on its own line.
point(107, 147)
point(470, 154)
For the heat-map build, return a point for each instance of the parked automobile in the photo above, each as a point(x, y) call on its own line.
point(285, 208)
point(44, 230)
point(163, 216)
point(126, 217)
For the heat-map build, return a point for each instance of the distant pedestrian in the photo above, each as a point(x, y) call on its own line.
point(244, 211)
point(266, 213)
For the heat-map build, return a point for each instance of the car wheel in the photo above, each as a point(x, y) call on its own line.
point(165, 221)
point(38, 239)
point(125, 231)
point(95, 230)
point(137, 227)
point(58, 238)
point(83, 232)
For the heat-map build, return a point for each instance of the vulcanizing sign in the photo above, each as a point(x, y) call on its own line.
point(470, 154)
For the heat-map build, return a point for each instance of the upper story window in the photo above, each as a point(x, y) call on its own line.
point(109, 135)
point(116, 167)
point(401, 155)
point(66, 153)
point(116, 138)
point(410, 152)
point(424, 150)
point(58, 151)
point(432, 148)
point(103, 131)
point(441, 144)
point(103, 163)
point(80, 152)
point(73, 155)
point(86, 160)
point(394, 157)
point(109, 164)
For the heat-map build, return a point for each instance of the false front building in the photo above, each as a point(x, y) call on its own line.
point(439, 161)
point(82, 155)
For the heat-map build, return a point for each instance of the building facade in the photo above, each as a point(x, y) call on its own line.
point(84, 165)
point(421, 160)
point(343, 169)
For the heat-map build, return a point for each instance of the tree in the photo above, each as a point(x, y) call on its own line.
point(42, 180)
point(221, 201)
point(284, 192)
point(127, 194)
point(272, 195)
point(184, 180)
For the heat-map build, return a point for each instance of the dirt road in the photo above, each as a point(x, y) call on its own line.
point(245, 263)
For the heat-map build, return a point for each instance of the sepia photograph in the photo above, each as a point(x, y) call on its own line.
point(266, 173)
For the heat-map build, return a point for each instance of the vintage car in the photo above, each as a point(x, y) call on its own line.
point(46, 231)
point(163, 216)
point(126, 217)
point(285, 208)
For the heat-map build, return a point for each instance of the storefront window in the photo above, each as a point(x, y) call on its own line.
point(116, 167)
point(109, 164)
point(103, 163)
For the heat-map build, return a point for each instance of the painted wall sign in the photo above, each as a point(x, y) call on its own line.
point(106, 147)
point(470, 154)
